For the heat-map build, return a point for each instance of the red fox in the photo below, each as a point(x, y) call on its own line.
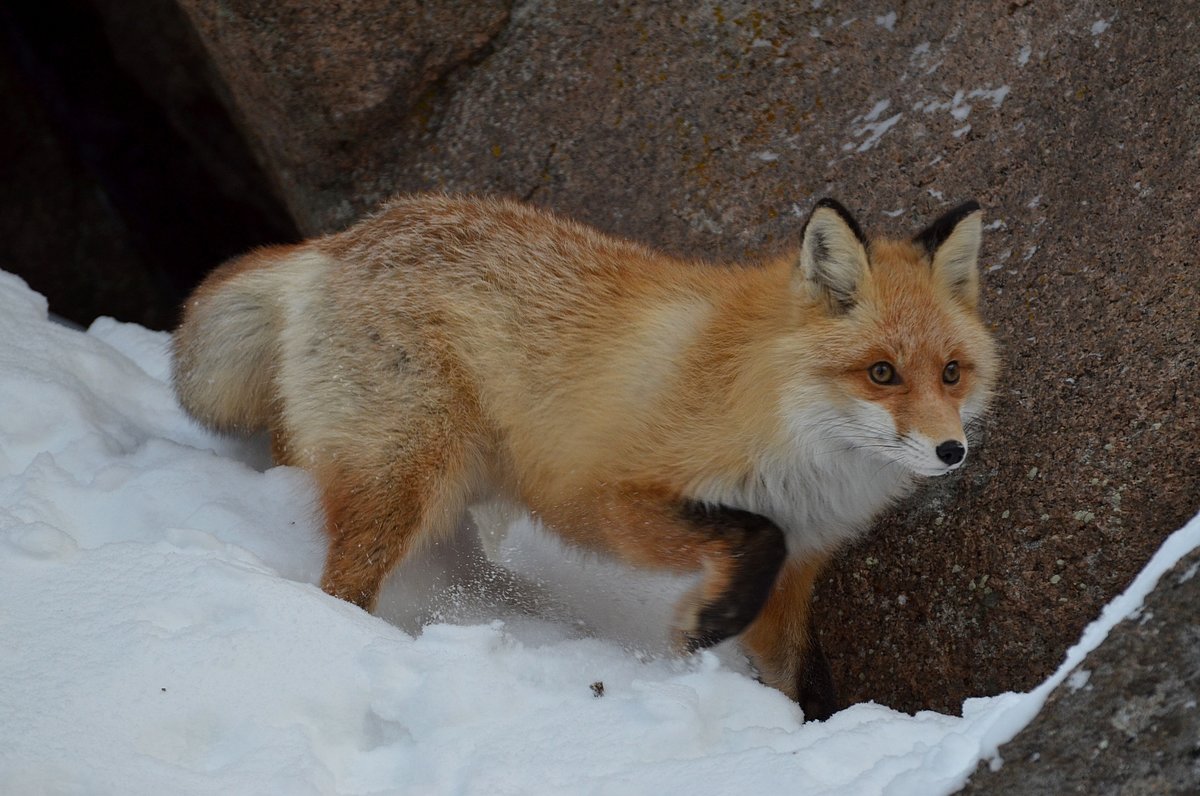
point(738, 421)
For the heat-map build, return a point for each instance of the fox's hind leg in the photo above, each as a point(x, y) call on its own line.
point(386, 425)
point(374, 518)
point(396, 489)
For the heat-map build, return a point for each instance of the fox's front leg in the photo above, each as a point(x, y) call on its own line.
point(784, 645)
point(745, 552)
point(738, 553)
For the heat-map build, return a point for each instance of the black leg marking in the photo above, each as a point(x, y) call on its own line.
point(758, 551)
point(817, 693)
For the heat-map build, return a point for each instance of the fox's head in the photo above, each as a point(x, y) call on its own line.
point(906, 362)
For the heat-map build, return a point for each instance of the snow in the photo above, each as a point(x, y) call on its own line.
point(958, 106)
point(1078, 679)
point(163, 632)
point(871, 127)
point(877, 110)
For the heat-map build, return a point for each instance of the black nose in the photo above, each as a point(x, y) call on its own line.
point(951, 451)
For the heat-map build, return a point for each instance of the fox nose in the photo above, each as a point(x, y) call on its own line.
point(951, 452)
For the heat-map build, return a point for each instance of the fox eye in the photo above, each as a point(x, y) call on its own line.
point(883, 373)
point(950, 374)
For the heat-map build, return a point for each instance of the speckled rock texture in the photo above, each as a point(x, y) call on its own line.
point(325, 89)
point(1126, 721)
point(711, 128)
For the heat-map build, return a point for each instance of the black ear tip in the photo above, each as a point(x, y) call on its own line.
point(936, 233)
point(833, 204)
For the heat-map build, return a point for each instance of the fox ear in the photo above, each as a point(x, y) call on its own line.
point(833, 255)
point(952, 243)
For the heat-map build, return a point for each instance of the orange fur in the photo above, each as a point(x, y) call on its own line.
point(450, 350)
point(781, 638)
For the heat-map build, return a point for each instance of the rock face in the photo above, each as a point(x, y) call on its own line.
point(710, 129)
point(325, 88)
point(1126, 721)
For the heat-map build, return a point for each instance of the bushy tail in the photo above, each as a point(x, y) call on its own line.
point(226, 346)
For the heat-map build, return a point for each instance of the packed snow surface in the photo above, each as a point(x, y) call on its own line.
point(162, 632)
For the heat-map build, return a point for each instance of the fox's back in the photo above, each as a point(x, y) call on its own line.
point(565, 336)
point(499, 269)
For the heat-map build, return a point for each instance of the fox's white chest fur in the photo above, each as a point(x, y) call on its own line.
point(824, 489)
point(822, 506)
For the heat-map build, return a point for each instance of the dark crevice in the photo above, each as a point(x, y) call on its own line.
point(142, 210)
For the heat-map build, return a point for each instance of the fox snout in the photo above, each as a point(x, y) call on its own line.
point(933, 454)
point(951, 452)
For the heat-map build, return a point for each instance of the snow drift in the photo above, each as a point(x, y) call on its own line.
point(163, 633)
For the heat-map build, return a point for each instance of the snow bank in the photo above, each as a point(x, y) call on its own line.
point(163, 634)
